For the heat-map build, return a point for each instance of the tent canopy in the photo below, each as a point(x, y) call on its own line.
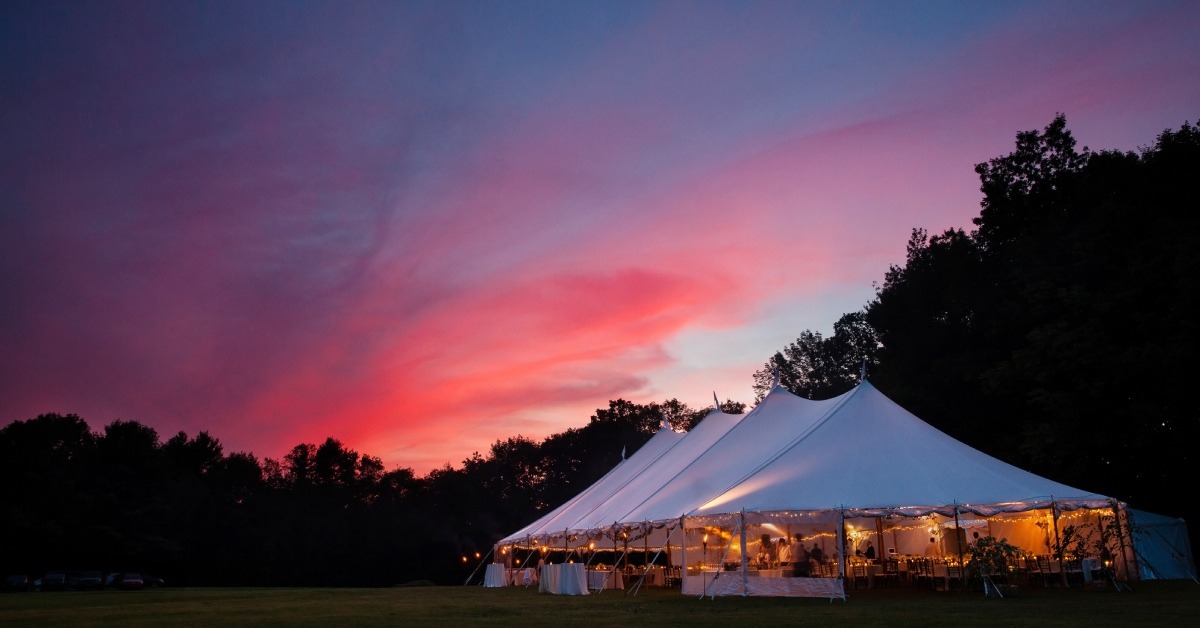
point(792, 454)
point(837, 465)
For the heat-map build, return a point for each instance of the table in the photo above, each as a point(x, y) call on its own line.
point(495, 576)
point(605, 579)
point(766, 573)
point(873, 571)
point(522, 576)
point(655, 577)
point(1089, 565)
point(565, 579)
point(947, 574)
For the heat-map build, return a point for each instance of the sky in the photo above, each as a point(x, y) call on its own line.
point(421, 227)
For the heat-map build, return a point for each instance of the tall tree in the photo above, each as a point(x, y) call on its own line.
point(1058, 334)
point(818, 367)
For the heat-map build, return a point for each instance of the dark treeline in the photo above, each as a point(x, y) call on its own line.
point(122, 499)
point(1057, 335)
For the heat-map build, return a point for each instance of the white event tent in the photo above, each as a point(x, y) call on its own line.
point(839, 474)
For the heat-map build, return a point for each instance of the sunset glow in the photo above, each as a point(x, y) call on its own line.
point(422, 227)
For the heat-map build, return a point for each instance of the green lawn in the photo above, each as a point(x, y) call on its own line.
point(1154, 603)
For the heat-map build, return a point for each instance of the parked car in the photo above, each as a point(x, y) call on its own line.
point(19, 582)
point(89, 581)
point(54, 581)
point(130, 582)
point(153, 581)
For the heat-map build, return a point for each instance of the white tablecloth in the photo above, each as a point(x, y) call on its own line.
point(944, 574)
point(568, 579)
point(495, 576)
point(654, 577)
point(731, 583)
point(765, 573)
point(605, 579)
point(1089, 565)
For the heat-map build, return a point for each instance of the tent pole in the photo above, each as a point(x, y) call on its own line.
point(682, 555)
point(615, 558)
point(593, 552)
point(724, 559)
point(791, 552)
point(638, 587)
point(841, 543)
point(745, 560)
point(645, 545)
point(880, 550)
point(528, 556)
point(1121, 537)
point(624, 556)
point(959, 539)
point(1060, 550)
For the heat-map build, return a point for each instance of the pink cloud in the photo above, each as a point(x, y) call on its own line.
point(335, 229)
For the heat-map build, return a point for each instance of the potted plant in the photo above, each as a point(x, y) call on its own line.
point(989, 561)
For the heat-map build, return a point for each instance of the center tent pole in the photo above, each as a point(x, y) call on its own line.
point(645, 546)
point(1062, 571)
point(624, 556)
point(842, 558)
point(592, 551)
point(682, 555)
point(616, 558)
point(745, 560)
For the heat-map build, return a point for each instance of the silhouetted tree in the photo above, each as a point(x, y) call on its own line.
point(819, 368)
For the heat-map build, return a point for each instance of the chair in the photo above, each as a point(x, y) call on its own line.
point(939, 576)
point(923, 568)
point(891, 572)
point(954, 577)
point(1074, 569)
point(829, 569)
point(858, 574)
point(1044, 571)
point(671, 577)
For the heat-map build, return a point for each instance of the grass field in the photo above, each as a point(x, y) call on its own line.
point(1151, 603)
